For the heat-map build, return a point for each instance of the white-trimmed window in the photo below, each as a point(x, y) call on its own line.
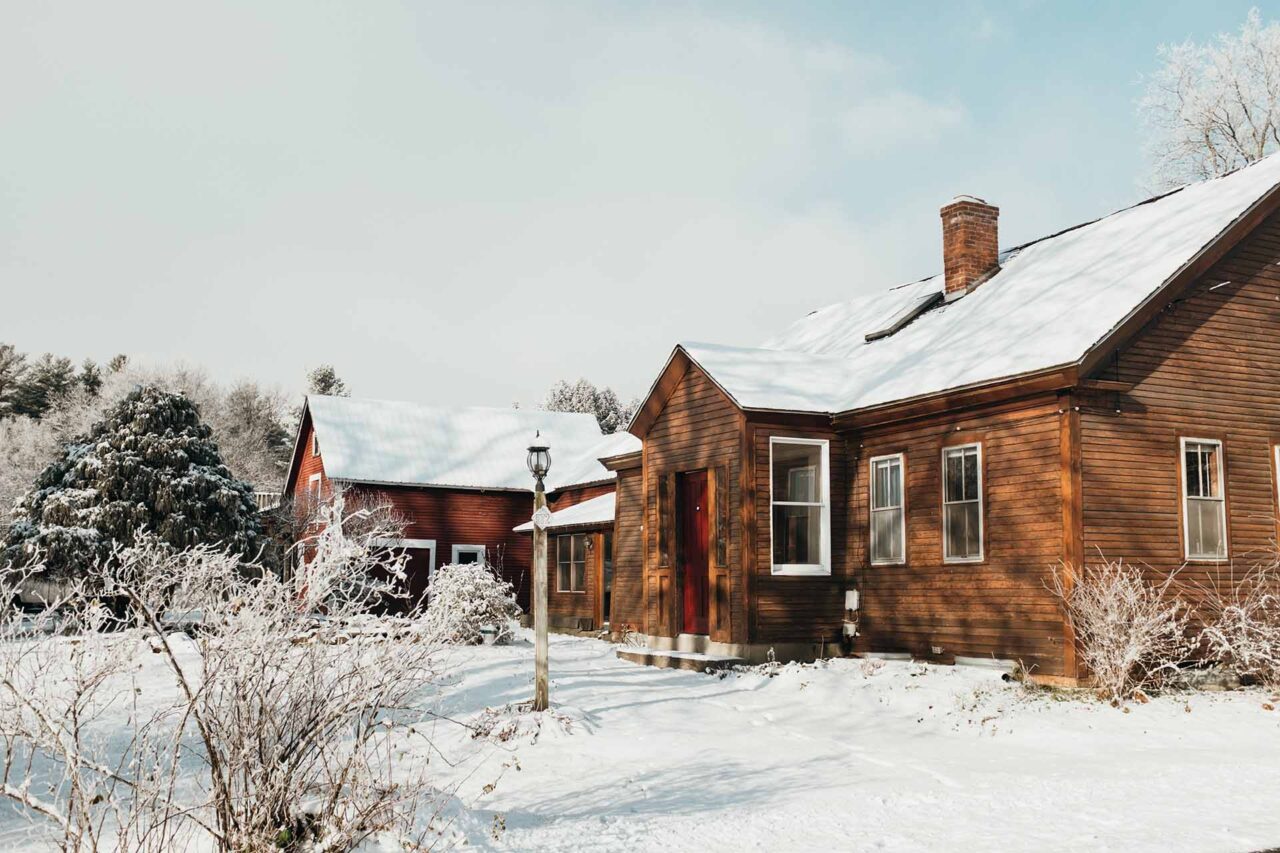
point(313, 488)
point(468, 554)
point(571, 563)
point(800, 506)
point(1204, 499)
point(315, 443)
point(888, 519)
point(962, 503)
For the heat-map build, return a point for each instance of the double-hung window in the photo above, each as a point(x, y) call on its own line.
point(571, 563)
point(962, 504)
point(1204, 510)
point(888, 524)
point(800, 506)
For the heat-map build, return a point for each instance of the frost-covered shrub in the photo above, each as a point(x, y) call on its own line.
point(466, 598)
point(1132, 634)
point(1241, 617)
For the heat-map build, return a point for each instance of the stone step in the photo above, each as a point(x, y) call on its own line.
point(698, 643)
point(695, 661)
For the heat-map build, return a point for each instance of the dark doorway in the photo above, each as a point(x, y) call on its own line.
point(692, 507)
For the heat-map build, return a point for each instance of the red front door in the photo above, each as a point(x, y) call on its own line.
point(693, 547)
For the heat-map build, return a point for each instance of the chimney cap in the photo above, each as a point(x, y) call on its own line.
point(967, 197)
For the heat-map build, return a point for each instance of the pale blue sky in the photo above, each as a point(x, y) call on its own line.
point(463, 203)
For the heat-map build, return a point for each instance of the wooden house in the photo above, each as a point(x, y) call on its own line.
point(906, 467)
point(456, 476)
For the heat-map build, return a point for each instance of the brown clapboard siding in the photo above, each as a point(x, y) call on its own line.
point(628, 552)
point(697, 428)
point(1000, 606)
point(1208, 366)
point(790, 608)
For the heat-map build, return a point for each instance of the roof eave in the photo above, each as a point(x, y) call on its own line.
point(1176, 284)
point(1053, 379)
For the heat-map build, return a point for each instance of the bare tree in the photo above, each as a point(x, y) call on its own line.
point(1212, 108)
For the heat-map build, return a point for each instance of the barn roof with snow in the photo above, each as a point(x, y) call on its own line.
point(400, 443)
point(1049, 304)
point(590, 513)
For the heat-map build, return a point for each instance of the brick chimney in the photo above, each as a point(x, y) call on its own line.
point(970, 245)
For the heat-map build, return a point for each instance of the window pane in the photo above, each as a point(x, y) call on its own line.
point(562, 578)
point(971, 474)
point(1206, 536)
point(886, 484)
point(579, 577)
point(1191, 464)
point(796, 469)
point(886, 535)
point(954, 476)
point(963, 537)
point(797, 535)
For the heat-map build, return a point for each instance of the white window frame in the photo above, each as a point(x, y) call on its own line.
point(313, 487)
point(1221, 500)
point(824, 485)
point(459, 550)
point(872, 510)
point(982, 504)
point(315, 444)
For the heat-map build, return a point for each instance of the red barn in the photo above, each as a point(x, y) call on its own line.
point(456, 475)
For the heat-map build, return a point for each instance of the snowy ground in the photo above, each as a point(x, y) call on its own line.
point(856, 755)
point(847, 754)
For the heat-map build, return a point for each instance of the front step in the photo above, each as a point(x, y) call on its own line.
point(696, 643)
point(694, 661)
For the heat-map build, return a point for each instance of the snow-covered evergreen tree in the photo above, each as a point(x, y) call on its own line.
point(325, 380)
point(584, 397)
point(149, 465)
point(13, 369)
point(47, 383)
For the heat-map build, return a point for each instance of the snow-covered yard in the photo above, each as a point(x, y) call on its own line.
point(847, 754)
point(854, 754)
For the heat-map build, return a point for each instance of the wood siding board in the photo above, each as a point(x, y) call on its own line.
point(1206, 366)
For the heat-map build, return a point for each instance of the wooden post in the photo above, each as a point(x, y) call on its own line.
point(541, 690)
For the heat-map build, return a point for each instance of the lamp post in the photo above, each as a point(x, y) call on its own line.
point(539, 462)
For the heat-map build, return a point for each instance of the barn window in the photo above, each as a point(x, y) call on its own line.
point(800, 508)
point(962, 503)
point(888, 524)
point(313, 488)
point(1204, 510)
point(571, 563)
point(468, 554)
point(315, 444)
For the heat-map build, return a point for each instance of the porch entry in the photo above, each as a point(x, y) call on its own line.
point(691, 507)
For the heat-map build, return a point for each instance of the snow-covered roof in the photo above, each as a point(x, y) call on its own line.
point(584, 466)
point(383, 441)
point(1051, 301)
point(598, 510)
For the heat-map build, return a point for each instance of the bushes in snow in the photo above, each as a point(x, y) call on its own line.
point(1132, 635)
point(466, 598)
point(1241, 616)
point(278, 725)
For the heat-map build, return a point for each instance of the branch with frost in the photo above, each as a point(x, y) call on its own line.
point(1212, 108)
